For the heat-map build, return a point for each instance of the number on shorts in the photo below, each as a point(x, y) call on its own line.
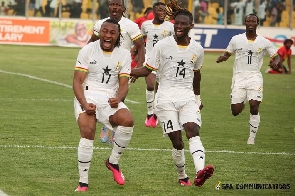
point(168, 125)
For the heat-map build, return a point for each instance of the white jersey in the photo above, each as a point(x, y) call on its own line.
point(175, 65)
point(249, 54)
point(155, 32)
point(129, 30)
point(103, 68)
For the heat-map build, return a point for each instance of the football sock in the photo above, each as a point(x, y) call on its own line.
point(198, 152)
point(122, 139)
point(85, 151)
point(150, 101)
point(179, 161)
point(254, 124)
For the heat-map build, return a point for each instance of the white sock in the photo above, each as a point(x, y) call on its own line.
point(254, 124)
point(179, 161)
point(155, 100)
point(121, 141)
point(198, 152)
point(85, 151)
point(150, 101)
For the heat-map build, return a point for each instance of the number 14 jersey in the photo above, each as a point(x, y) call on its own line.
point(175, 65)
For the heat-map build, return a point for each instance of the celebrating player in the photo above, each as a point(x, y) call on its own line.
point(247, 82)
point(130, 33)
point(154, 30)
point(177, 60)
point(100, 84)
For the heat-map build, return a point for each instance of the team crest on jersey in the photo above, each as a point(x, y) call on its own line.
point(165, 32)
point(194, 58)
point(259, 50)
point(118, 65)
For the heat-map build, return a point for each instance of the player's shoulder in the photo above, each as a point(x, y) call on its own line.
point(127, 21)
point(147, 22)
point(239, 36)
point(196, 45)
point(99, 22)
point(166, 22)
point(166, 41)
point(123, 52)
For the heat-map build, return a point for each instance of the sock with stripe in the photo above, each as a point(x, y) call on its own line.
point(198, 152)
point(179, 161)
point(150, 101)
point(254, 124)
point(121, 141)
point(85, 152)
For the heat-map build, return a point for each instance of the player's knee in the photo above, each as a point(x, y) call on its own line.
point(125, 118)
point(87, 132)
point(178, 144)
point(150, 87)
point(254, 108)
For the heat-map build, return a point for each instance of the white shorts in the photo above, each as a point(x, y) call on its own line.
point(172, 115)
point(103, 109)
point(245, 90)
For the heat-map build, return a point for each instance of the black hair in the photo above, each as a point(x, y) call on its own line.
point(252, 15)
point(158, 4)
point(113, 21)
point(173, 9)
point(147, 10)
point(288, 40)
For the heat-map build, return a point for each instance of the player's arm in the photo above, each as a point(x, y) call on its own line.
point(140, 72)
point(122, 91)
point(139, 44)
point(275, 61)
point(223, 57)
point(95, 35)
point(197, 78)
point(229, 50)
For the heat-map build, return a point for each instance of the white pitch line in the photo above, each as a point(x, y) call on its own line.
point(2, 193)
point(147, 149)
point(51, 81)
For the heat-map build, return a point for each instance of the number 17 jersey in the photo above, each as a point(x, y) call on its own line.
point(175, 66)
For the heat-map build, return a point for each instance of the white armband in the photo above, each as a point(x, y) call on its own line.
point(198, 100)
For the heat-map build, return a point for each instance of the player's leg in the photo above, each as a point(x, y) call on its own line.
point(238, 99)
point(87, 125)
point(168, 117)
point(190, 117)
point(255, 98)
point(123, 121)
point(150, 96)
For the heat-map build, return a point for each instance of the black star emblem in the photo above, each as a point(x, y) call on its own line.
point(181, 63)
point(155, 36)
point(250, 52)
point(107, 70)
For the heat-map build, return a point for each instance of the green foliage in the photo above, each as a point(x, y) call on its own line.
point(39, 135)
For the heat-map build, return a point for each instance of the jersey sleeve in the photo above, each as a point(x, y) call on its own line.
point(171, 29)
point(153, 60)
point(271, 50)
point(231, 46)
point(82, 61)
point(143, 29)
point(134, 31)
point(126, 66)
point(96, 28)
point(199, 62)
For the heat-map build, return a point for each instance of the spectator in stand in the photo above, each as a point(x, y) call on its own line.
point(103, 9)
point(38, 7)
point(52, 6)
point(76, 10)
point(3, 9)
point(274, 15)
point(238, 12)
point(262, 12)
point(219, 17)
point(249, 7)
point(138, 6)
point(20, 8)
point(204, 11)
point(143, 18)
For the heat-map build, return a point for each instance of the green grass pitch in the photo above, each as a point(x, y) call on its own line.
point(39, 135)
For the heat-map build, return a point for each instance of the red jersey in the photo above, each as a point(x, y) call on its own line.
point(140, 20)
point(283, 52)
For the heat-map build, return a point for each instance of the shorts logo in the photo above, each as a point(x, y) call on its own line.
point(93, 62)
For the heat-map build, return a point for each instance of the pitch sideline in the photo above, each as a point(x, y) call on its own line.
point(52, 82)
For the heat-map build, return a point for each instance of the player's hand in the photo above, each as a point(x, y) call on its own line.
point(90, 108)
point(201, 106)
point(114, 102)
point(221, 58)
point(132, 79)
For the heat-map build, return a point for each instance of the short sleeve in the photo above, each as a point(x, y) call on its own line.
point(126, 67)
point(199, 62)
point(231, 46)
point(82, 61)
point(134, 31)
point(143, 29)
point(153, 61)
